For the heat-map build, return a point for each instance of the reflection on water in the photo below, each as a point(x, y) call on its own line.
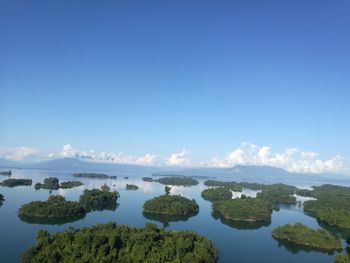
point(243, 225)
point(238, 242)
point(166, 219)
point(50, 221)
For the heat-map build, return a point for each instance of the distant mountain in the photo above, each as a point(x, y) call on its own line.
point(10, 164)
point(77, 165)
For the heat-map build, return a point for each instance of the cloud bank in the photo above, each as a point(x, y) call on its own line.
point(291, 159)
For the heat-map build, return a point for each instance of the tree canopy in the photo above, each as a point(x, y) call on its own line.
point(299, 234)
point(16, 182)
point(171, 205)
point(112, 243)
point(217, 194)
point(177, 180)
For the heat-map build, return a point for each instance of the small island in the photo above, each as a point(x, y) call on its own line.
point(301, 235)
point(216, 194)
point(56, 207)
point(50, 183)
point(6, 173)
point(171, 205)
point(2, 199)
point(247, 209)
point(70, 184)
point(93, 175)
point(97, 199)
point(131, 187)
point(179, 181)
point(148, 179)
point(16, 182)
point(121, 243)
point(234, 186)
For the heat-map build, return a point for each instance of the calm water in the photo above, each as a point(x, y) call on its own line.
point(235, 242)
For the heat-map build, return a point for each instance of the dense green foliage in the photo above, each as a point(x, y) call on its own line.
point(217, 194)
point(342, 258)
point(50, 183)
point(299, 234)
point(2, 199)
point(96, 199)
point(171, 205)
point(16, 182)
point(148, 179)
point(131, 187)
point(334, 217)
point(248, 209)
point(234, 186)
point(167, 190)
point(276, 195)
point(92, 175)
point(7, 173)
point(110, 243)
point(332, 206)
point(55, 207)
point(70, 184)
point(184, 181)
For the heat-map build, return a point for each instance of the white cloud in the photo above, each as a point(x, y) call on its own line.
point(291, 159)
point(179, 158)
point(17, 154)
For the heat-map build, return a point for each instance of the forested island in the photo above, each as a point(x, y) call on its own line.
point(276, 195)
point(234, 186)
point(50, 183)
point(148, 179)
point(93, 175)
point(217, 194)
point(299, 234)
point(247, 209)
point(57, 208)
point(70, 184)
point(131, 187)
point(332, 206)
point(342, 258)
point(53, 183)
point(97, 199)
point(16, 182)
point(112, 243)
point(177, 180)
point(171, 205)
point(6, 173)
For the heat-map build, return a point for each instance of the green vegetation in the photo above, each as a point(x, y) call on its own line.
point(57, 210)
point(70, 184)
point(332, 206)
point(217, 194)
point(16, 182)
point(7, 173)
point(184, 181)
point(234, 186)
point(56, 207)
point(131, 187)
point(96, 199)
point(299, 234)
point(50, 183)
point(276, 195)
point(171, 205)
point(248, 209)
point(342, 258)
point(334, 217)
point(93, 175)
point(148, 179)
point(111, 243)
point(2, 199)
point(167, 190)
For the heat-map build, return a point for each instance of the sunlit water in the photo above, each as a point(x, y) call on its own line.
point(236, 243)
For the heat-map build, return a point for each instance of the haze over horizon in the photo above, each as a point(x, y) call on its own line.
point(177, 83)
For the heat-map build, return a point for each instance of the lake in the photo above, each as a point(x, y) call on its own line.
point(235, 242)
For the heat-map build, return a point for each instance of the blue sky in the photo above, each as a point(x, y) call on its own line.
point(155, 77)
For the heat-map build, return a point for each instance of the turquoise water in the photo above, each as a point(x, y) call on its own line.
point(236, 243)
